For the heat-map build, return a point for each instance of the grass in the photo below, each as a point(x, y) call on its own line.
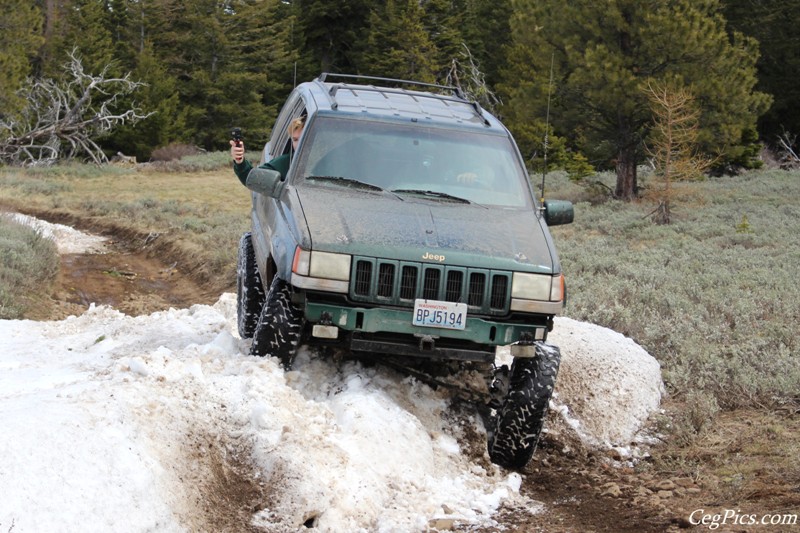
point(192, 211)
point(713, 296)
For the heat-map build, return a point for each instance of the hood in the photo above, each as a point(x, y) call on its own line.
point(409, 228)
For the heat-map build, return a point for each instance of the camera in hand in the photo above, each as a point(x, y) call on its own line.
point(236, 134)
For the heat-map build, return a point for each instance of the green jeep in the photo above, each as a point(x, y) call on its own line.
point(406, 231)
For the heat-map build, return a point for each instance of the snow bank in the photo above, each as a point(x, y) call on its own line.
point(115, 423)
point(607, 384)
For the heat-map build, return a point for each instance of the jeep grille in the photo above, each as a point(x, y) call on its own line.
point(387, 282)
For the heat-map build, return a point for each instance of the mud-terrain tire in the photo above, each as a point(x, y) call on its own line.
point(279, 326)
point(250, 295)
point(519, 421)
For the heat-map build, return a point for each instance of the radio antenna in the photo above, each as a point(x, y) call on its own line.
point(547, 123)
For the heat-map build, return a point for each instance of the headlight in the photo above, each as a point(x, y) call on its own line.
point(537, 293)
point(321, 270)
point(321, 264)
point(531, 286)
point(330, 266)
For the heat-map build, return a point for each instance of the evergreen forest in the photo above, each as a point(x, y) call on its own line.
point(568, 77)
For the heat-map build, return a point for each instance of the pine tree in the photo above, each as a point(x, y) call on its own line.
point(398, 44)
point(86, 27)
point(191, 38)
point(606, 52)
point(265, 52)
point(486, 32)
point(159, 96)
point(775, 26)
point(442, 20)
point(121, 28)
point(20, 37)
point(333, 34)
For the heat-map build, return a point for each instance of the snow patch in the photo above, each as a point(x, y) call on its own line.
point(114, 418)
point(68, 240)
point(608, 386)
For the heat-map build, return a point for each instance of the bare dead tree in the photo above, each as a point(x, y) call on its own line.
point(467, 76)
point(789, 157)
point(64, 118)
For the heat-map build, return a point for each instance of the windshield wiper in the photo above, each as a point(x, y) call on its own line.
point(346, 182)
point(437, 194)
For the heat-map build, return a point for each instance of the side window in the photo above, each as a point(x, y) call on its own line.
point(279, 142)
point(300, 112)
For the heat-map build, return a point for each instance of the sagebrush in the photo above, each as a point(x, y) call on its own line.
point(716, 306)
point(28, 266)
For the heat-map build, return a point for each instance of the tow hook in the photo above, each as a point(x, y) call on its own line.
point(426, 343)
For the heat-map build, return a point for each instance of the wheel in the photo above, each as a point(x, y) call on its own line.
point(279, 326)
point(519, 420)
point(249, 289)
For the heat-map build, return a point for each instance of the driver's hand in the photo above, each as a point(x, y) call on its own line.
point(467, 178)
point(237, 152)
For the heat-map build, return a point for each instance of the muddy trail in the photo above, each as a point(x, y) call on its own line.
point(126, 271)
point(134, 282)
point(581, 490)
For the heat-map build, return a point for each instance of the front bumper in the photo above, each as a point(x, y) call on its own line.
point(370, 327)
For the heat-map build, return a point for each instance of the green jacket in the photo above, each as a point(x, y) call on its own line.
point(280, 163)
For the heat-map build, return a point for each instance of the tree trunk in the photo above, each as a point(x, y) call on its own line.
point(627, 188)
point(50, 16)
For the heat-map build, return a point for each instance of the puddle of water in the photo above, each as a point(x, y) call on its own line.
point(130, 282)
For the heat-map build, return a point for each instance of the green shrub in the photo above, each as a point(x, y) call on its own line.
point(174, 152)
point(28, 186)
point(29, 263)
point(717, 307)
point(75, 169)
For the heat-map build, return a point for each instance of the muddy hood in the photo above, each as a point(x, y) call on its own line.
point(383, 225)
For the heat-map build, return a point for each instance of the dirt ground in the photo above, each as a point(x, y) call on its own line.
point(741, 470)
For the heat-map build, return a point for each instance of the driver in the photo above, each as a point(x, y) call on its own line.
point(242, 166)
point(482, 175)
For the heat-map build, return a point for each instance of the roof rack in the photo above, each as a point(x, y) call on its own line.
point(459, 94)
point(457, 90)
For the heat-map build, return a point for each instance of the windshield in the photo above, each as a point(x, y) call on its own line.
point(411, 160)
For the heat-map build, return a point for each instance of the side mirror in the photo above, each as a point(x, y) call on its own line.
point(556, 212)
point(265, 181)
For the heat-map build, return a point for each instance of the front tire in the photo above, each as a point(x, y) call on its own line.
point(279, 326)
point(250, 295)
point(519, 420)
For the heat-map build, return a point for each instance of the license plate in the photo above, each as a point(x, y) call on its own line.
point(436, 314)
